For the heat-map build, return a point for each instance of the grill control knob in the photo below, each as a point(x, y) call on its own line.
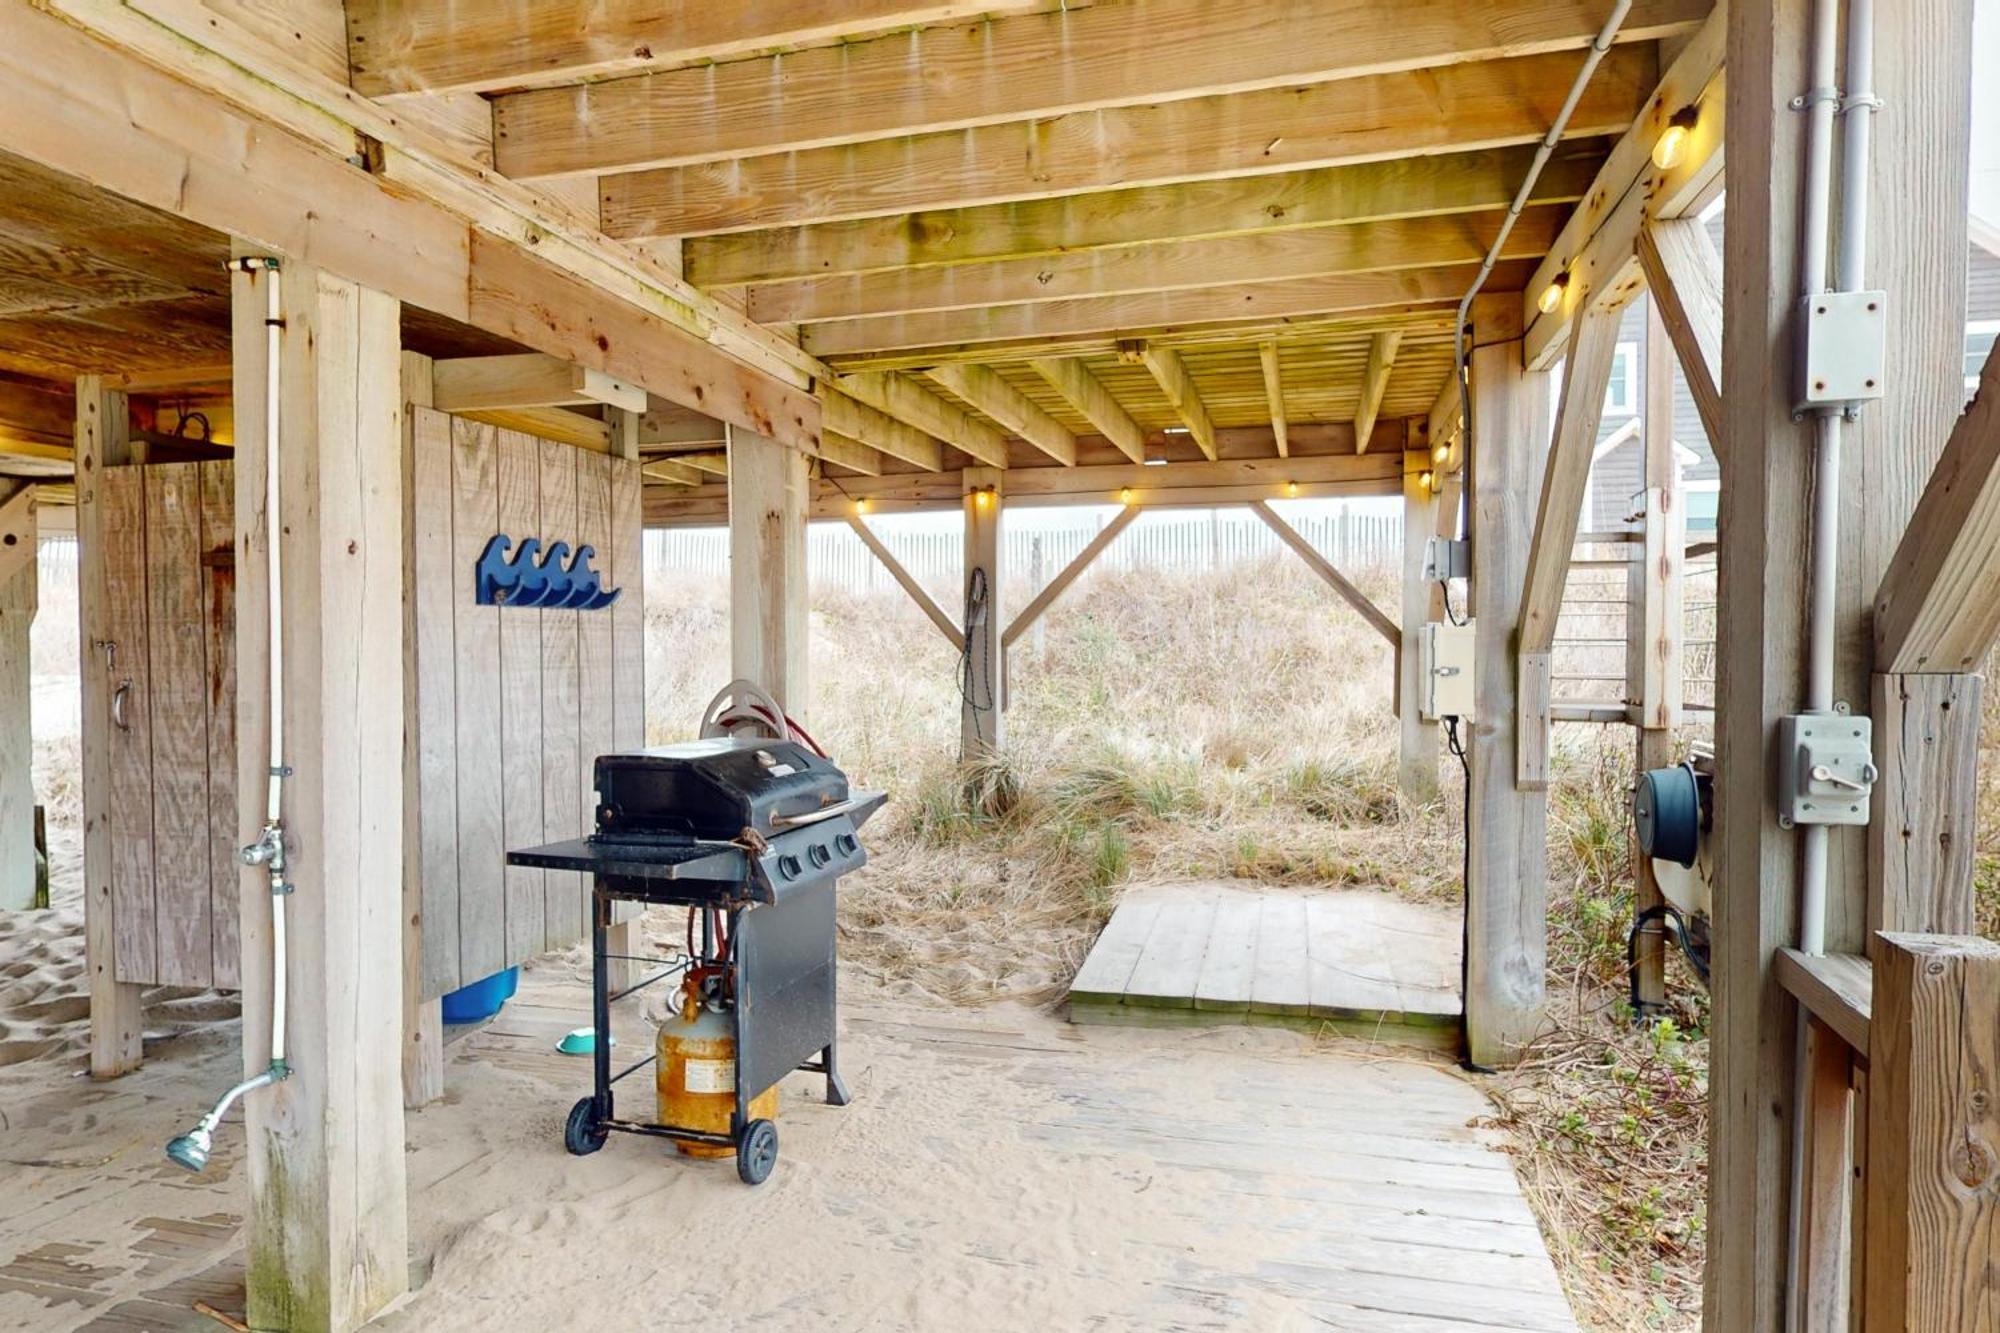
point(818, 855)
point(788, 866)
point(847, 844)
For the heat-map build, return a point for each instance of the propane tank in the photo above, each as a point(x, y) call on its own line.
point(696, 1075)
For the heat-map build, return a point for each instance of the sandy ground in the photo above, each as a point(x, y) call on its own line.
point(999, 1169)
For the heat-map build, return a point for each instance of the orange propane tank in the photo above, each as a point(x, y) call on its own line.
point(696, 1074)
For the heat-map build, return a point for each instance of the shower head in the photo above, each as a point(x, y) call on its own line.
point(191, 1149)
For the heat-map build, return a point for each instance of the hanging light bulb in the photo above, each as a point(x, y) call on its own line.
point(1440, 452)
point(1427, 479)
point(983, 497)
point(1125, 495)
point(1667, 149)
point(1292, 489)
point(1552, 295)
point(860, 506)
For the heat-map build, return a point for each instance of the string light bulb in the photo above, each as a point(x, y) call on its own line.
point(1125, 495)
point(1292, 490)
point(983, 497)
point(1672, 143)
point(1440, 452)
point(1427, 479)
point(1552, 295)
point(860, 506)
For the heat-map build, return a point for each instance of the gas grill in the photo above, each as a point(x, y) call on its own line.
point(753, 834)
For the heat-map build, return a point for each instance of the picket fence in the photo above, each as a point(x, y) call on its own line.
point(836, 557)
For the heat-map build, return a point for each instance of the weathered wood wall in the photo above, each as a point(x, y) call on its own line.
point(513, 704)
point(169, 565)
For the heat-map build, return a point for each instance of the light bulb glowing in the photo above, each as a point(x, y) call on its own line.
point(983, 498)
point(1672, 143)
point(1552, 295)
point(860, 506)
point(1125, 495)
point(1292, 489)
point(1440, 453)
point(1426, 479)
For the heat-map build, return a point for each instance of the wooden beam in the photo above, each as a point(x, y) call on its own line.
point(103, 440)
point(1379, 117)
point(1447, 412)
point(415, 46)
point(908, 582)
point(768, 486)
point(551, 423)
point(1016, 69)
point(327, 1224)
point(1266, 303)
point(906, 400)
point(1067, 575)
point(1227, 261)
point(1171, 374)
point(1274, 396)
point(1596, 245)
point(982, 715)
point(1835, 988)
point(1377, 619)
point(850, 453)
point(1938, 608)
point(1507, 859)
point(183, 84)
point(527, 379)
point(1007, 405)
point(1932, 1212)
point(1586, 373)
point(1262, 476)
point(1684, 274)
point(1472, 182)
point(856, 420)
point(1374, 384)
point(668, 472)
point(1084, 392)
point(423, 1016)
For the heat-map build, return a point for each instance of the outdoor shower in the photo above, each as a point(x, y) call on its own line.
point(191, 1149)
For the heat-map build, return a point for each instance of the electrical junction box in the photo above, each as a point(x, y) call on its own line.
point(1843, 348)
point(1446, 558)
point(1826, 769)
point(1444, 661)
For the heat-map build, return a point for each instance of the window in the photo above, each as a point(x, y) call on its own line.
point(1980, 336)
point(1621, 395)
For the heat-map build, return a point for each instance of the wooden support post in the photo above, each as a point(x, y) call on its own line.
point(1827, 1210)
point(103, 439)
point(625, 940)
point(1654, 669)
point(907, 582)
point(1918, 184)
point(1031, 614)
point(423, 1018)
point(1417, 765)
point(1333, 578)
point(768, 488)
point(982, 726)
point(17, 742)
point(327, 1224)
point(1506, 888)
point(1933, 1182)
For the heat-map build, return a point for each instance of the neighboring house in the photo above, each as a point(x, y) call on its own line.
point(1618, 470)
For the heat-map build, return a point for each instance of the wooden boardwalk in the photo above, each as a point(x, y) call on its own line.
point(1221, 953)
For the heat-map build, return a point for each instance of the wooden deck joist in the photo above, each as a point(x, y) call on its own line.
point(1020, 68)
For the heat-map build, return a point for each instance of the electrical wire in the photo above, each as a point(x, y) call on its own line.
point(1456, 745)
point(976, 619)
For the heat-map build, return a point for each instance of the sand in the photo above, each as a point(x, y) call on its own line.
point(999, 1169)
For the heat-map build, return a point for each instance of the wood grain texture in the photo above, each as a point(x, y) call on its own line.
point(1684, 276)
point(1068, 574)
point(628, 614)
point(1377, 619)
point(1015, 69)
point(1329, 196)
point(1450, 109)
point(1013, 410)
point(102, 443)
point(1837, 989)
point(1933, 1211)
point(434, 584)
point(1087, 394)
point(563, 811)
point(478, 753)
point(177, 671)
point(518, 478)
point(218, 613)
point(1173, 265)
point(122, 495)
point(908, 582)
point(597, 725)
point(1923, 827)
point(1506, 889)
point(903, 398)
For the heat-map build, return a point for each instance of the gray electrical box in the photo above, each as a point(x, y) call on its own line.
point(1843, 342)
point(1444, 661)
point(1826, 769)
point(1447, 558)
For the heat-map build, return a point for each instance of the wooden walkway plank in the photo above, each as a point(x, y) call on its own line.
point(1228, 969)
point(1105, 972)
point(1282, 980)
point(1348, 976)
point(1165, 974)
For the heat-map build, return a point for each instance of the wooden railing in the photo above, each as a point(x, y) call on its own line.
point(1901, 1224)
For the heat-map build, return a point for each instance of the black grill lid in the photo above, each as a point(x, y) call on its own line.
point(712, 789)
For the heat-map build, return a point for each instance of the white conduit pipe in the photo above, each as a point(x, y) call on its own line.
point(1821, 100)
point(191, 1150)
point(1605, 37)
